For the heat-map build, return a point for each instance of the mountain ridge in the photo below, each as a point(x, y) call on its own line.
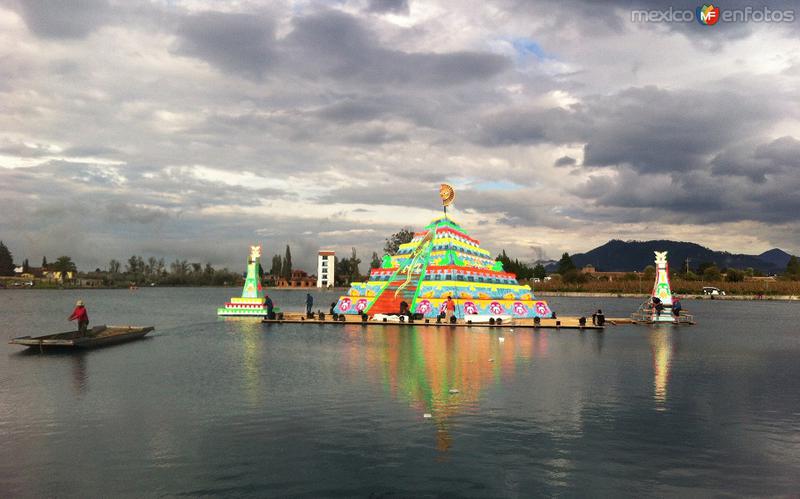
point(629, 256)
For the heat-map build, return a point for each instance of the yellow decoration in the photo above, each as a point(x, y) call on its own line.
point(466, 296)
point(370, 292)
point(483, 296)
point(447, 194)
point(354, 292)
point(508, 296)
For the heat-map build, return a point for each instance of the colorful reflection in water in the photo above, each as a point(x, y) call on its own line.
point(662, 347)
point(442, 371)
point(251, 331)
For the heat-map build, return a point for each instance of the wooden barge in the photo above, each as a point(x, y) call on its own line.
point(98, 336)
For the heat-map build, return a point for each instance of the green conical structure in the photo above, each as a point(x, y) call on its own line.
point(251, 303)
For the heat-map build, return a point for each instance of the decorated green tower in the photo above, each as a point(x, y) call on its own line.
point(251, 303)
point(661, 288)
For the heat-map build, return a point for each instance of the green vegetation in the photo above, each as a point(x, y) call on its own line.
point(793, 268)
point(375, 263)
point(286, 268)
point(6, 261)
point(405, 235)
point(565, 264)
point(347, 269)
point(514, 266)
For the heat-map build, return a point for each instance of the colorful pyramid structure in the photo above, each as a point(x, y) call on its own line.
point(442, 261)
point(252, 300)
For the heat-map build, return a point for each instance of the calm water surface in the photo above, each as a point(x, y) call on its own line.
point(233, 407)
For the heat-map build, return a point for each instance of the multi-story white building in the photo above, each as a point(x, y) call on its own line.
point(325, 268)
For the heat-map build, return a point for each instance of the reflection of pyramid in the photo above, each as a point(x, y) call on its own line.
point(443, 372)
point(440, 262)
point(251, 302)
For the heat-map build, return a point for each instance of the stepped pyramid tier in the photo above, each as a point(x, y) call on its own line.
point(442, 261)
point(251, 303)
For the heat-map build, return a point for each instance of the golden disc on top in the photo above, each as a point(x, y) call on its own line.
point(447, 194)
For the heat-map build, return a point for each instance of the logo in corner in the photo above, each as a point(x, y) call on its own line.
point(707, 14)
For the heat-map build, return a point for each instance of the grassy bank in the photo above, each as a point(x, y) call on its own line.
point(679, 286)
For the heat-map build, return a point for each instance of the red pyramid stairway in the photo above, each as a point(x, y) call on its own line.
point(387, 303)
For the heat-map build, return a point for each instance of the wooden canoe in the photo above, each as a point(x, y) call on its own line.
point(99, 336)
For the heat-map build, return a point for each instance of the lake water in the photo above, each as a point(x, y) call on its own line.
point(215, 407)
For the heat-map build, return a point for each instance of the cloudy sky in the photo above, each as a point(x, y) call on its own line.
point(194, 128)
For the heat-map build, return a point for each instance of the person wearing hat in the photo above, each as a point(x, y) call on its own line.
point(80, 315)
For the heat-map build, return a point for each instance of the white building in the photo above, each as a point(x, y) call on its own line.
point(325, 268)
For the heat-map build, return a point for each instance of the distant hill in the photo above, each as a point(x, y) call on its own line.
point(629, 256)
point(777, 257)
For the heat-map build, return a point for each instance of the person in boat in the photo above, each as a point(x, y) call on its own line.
point(600, 318)
point(676, 307)
point(450, 307)
point(333, 305)
point(594, 319)
point(404, 308)
point(270, 307)
point(82, 316)
point(309, 304)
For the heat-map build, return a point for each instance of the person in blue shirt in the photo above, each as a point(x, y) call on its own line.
point(309, 304)
point(270, 307)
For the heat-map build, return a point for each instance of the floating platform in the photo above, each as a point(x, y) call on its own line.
point(565, 323)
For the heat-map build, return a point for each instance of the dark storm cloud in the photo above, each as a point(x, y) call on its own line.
point(349, 111)
point(328, 44)
point(119, 212)
point(62, 18)
point(529, 127)
point(393, 6)
point(339, 46)
point(239, 43)
point(654, 129)
point(778, 156)
point(649, 128)
point(565, 161)
point(700, 196)
point(376, 136)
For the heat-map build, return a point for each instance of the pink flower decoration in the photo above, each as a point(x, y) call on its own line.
point(470, 308)
point(344, 304)
point(541, 308)
point(424, 307)
point(496, 308)
point(361, 305)
point(520, 308)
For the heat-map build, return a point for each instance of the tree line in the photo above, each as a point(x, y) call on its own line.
point(137, 270)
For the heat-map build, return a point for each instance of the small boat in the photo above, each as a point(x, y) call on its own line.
point(98, 336)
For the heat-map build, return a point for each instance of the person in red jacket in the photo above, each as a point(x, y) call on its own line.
point(80, 315)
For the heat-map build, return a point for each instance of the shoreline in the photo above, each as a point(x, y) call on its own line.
point(543, 294)
point(589, 294)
